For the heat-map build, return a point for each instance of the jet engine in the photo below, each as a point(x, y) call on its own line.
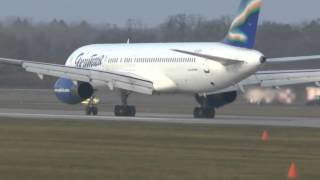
point(71, 92)
point(217, 100)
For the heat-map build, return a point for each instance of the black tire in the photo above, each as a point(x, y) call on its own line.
point(210, 113)
point(120, 111)
point(94, 111)
point(204, 112)
point(117, 110)
point(88, 111)
point(128, 111)
point(197, 113)
point(131, 111)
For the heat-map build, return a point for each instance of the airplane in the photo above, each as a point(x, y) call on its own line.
point(214, 73)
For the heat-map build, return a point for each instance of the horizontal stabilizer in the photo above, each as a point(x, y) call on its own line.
point(223, 61)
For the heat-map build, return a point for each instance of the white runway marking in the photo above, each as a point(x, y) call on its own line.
point(163, 118)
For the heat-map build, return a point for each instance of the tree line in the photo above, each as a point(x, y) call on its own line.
point(53, 41)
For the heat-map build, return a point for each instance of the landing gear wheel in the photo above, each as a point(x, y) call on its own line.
point(91, 111)
point(197, 113)
point(117, 110)
point(94, 111)
point(211, 113)
point(88, 111)
point(129, 111)
point(204, 113)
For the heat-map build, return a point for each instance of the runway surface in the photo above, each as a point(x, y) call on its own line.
point(162, 118)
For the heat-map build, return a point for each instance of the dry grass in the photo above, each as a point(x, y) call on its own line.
point(135, 151)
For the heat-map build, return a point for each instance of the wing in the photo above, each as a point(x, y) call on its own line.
point(276, 79)
point(125, 81)
point(284, 77)
point(292, 59)
point(279, 78)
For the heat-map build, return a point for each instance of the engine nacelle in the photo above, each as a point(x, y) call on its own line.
point(71, 92)
point(218, 100)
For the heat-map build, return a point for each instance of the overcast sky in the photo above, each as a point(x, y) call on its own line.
point(150, 12)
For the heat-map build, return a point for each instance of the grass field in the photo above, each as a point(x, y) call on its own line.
point(78, 150)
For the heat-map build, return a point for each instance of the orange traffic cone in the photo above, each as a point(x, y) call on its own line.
point(293, 172)
point(265, 136)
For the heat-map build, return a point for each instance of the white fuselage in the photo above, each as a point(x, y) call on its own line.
point(170, 71)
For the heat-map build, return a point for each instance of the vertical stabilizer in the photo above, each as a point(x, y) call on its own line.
point(242, 32)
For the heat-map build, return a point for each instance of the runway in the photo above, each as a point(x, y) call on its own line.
point(162, 118)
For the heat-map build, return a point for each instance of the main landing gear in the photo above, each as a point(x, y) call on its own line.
point(201, 112)
point(204, 111)
point(124, 109)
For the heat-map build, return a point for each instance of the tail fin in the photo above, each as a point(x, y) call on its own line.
point(243, 29)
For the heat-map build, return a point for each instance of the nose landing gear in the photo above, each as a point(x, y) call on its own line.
point(91, 106)
point(92, 110)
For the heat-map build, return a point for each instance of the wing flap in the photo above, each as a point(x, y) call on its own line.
point(273, 83)
point(282, 78)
